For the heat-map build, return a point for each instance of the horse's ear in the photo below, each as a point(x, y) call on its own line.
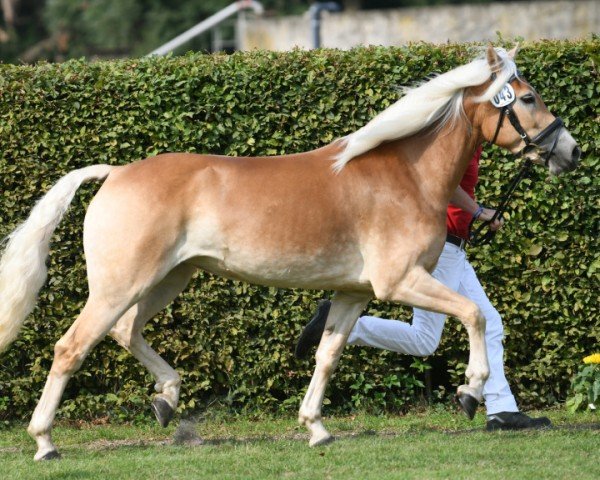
point(493, 59)
point(513, 53)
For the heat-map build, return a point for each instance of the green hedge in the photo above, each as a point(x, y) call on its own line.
point(232, 342)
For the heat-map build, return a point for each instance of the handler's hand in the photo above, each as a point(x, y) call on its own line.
point(487, 215)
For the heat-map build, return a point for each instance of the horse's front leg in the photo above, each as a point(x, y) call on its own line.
point(345, 310)
point(419, 289)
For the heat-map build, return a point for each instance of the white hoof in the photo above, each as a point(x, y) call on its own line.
point(321, 440)
point(47, 455)
point(319, 436)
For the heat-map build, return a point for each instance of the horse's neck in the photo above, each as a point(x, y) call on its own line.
point(439, 160)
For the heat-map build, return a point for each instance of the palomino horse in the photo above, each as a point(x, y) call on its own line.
point(364, 216)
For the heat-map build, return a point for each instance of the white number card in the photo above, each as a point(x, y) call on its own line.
point(504, 97)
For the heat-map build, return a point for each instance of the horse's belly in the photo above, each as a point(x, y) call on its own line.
point(260, 249)
point(321, 272)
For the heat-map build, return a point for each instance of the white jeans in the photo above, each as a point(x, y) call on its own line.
point(422, 337)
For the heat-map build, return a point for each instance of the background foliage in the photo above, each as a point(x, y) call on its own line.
point(57, 30)
point(232, 342)
point(62, 29)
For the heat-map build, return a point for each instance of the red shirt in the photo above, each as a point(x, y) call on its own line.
point(457, 220)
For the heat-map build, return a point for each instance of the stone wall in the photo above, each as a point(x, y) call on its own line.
point(456, 23)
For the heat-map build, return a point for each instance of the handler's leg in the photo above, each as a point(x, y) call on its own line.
point(128, 333)
point(419, 338)
point(345, 309)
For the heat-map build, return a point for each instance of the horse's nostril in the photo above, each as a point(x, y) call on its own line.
point(576, 154)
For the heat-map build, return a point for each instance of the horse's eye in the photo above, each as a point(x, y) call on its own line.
point(528, 98)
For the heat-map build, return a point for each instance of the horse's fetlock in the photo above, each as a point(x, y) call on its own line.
point(303, 419)
point(484, 372)
point(33, 430)
point(173, 383)
point(307, 418)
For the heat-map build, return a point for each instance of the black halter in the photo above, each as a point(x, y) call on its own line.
point(530, 144)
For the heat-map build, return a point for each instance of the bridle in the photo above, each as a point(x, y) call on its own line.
point(505, 101)
point(506, 110)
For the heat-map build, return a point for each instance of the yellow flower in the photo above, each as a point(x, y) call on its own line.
point(594, 358)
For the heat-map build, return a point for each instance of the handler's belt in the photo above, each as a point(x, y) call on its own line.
point(454, 240)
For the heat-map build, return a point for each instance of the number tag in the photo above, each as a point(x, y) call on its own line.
point(504, 97)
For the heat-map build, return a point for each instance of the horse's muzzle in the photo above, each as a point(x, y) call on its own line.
point(573, 162)
point(565, 157)
point(575, 156)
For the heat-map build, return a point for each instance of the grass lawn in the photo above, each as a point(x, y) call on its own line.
point(426, 445)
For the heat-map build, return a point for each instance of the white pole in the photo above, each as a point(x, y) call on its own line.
point(207, 24)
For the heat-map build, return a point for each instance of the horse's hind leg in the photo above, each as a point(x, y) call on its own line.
point(92, 325)
point(344, 312)
point(128, 333)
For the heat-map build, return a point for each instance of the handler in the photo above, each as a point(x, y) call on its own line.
point(422, 337)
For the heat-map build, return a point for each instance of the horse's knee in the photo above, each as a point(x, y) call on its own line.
point(68, 357)
point(325, 363)
point(326, 360)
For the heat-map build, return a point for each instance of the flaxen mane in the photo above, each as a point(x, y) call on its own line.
point(437, 100)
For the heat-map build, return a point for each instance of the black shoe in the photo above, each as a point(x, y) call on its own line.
point(515, 421)
point(312, 333)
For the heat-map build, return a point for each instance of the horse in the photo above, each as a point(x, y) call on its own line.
point(363, 215)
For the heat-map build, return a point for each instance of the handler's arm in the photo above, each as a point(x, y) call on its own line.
point(461, 199)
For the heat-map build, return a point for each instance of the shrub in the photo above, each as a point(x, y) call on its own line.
point(585, 386)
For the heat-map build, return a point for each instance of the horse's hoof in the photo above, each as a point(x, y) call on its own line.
point(468, 404)
point(51, 455)
point(320, 441)
point(163, 411)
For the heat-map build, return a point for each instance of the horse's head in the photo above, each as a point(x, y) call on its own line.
point(517, 119)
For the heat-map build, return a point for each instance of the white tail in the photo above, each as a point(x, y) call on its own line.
point(23, 266)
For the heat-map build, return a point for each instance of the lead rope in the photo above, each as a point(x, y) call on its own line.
point(475, 237)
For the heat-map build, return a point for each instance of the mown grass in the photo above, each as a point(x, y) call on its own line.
point(426, 445)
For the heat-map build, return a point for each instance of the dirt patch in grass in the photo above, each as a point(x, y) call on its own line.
point(187, 435)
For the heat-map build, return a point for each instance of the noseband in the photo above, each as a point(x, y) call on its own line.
point(505, 101)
